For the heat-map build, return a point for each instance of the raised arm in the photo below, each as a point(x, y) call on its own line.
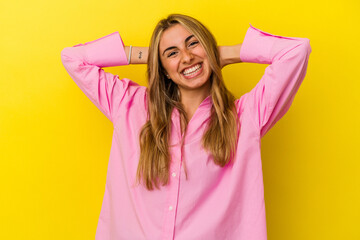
point(139, 55)
point(229, 54)
point(273, 95)
point(111, 95)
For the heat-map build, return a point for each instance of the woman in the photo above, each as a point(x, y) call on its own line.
point(185, 160)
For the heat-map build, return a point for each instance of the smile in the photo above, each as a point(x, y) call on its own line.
point(193, 71)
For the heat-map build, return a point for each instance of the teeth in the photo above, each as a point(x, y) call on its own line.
point(191, 70)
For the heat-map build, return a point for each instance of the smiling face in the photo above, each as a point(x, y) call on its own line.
point(185, 60)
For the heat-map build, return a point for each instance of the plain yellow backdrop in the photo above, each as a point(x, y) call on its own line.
point(55, 143)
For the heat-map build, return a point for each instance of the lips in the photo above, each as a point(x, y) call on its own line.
point(193, 68)
point(193, 71)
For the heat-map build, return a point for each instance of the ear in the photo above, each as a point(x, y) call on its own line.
point(166, 74)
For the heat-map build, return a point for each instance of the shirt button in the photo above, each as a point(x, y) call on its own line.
point(173, 174)
point(170, 208)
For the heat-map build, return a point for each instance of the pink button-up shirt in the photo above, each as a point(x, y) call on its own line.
point(214, 202)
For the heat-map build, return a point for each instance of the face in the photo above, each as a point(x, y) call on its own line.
point(185, 60)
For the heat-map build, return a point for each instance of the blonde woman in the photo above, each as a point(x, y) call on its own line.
point(185, 160)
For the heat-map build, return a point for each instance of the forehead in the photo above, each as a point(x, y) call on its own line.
point(173, 36)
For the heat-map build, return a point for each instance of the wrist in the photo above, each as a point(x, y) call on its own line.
point(138, 54)
point(229, 54)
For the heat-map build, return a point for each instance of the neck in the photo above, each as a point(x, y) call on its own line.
point(191, 100)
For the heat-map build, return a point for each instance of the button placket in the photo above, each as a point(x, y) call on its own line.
point(173, 194)
point(174, 181)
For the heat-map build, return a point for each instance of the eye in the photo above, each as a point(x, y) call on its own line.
point(171, 54)
point(193, 43)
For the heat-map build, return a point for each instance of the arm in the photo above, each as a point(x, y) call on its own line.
point(229, 54)
point(273, 95)
point(139, 55)
point(84, 63)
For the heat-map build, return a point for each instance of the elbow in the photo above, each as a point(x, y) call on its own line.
point(69, 59)
point(307, 46)
point(63, 52)
point(64, 55)
point(303, 50)
point(70, 56)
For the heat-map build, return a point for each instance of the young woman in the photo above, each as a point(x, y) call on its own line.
point(185, 160)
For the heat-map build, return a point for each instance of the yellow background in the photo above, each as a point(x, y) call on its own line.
point(55, 143)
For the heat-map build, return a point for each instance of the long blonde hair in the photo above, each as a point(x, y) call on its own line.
point(220, 137)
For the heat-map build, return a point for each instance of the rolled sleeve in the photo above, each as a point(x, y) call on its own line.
point(84, 64)
point(273, 95)
point(107, 51)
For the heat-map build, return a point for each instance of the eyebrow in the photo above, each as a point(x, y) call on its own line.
point(172, 47)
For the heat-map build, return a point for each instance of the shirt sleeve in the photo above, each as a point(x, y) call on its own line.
point(84, 64)
point(272, 96)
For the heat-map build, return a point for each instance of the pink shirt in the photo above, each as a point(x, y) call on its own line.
point(214, 203)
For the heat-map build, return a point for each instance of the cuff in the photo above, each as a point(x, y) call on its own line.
point(107, 51)
point(260, 47)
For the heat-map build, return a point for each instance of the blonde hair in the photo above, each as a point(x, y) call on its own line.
point(221, 135)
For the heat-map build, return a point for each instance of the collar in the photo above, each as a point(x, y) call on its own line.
point(197, 123)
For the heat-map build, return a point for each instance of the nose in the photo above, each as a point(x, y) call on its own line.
point(187, 56)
